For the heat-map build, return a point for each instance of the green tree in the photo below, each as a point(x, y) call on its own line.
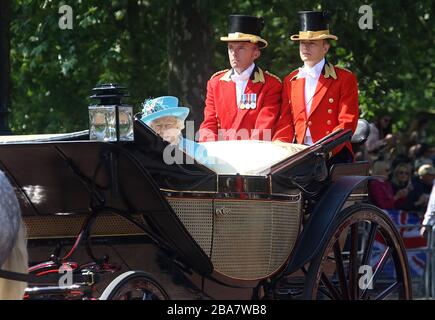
point(190, 50)
point(5, 18)
point(172, 47)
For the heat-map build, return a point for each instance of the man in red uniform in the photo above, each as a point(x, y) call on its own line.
point(244, 102)
point(318, 98)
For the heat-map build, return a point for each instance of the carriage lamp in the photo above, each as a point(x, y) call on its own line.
point(110, 119)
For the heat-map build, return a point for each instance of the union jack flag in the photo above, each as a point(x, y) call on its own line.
point(411, 238)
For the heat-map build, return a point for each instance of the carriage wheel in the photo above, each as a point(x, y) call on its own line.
point(363, 259)
point(134, 285)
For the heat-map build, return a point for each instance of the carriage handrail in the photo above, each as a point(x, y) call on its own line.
point(38, 138)
point(324, 146)
point(309, 164)
point(334, 140)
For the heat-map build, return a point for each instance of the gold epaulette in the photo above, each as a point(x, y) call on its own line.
point(272, 75)
point(218, 73)
point(343, 69)
point(295, 75)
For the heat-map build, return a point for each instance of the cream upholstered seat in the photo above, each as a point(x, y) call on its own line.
point(247, 157)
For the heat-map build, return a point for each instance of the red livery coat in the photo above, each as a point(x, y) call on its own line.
point(334, 106)
point(224, 120)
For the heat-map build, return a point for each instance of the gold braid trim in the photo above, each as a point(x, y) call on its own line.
point(218, 73)
point(274, 76)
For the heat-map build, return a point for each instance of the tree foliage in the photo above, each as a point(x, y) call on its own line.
point(133, 42)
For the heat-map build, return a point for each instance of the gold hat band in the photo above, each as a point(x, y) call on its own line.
point(239, 36)
point(313, 35)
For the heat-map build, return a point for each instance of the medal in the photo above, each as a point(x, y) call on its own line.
point(253, 101)
point(248, 101)
point(243, 104)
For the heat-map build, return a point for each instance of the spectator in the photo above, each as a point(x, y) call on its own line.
point(422, 186)
point(429, 216)
point(423, 154)
point(412, 152)
point(380, 136)
point(417, 130)
point(380, 189)
point(401, 183)
point(401, 159)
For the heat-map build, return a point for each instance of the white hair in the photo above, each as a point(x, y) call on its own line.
point(180, 123)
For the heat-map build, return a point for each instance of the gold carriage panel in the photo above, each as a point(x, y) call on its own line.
point(197, 217)
point(68, 226)
point(245, 239)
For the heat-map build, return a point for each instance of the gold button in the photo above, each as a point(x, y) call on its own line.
point(328, 122)
point(309, 123)
point(289, 102)
point(329, 110)
point(331, 100)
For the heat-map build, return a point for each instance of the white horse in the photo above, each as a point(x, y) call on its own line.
point(13, 243)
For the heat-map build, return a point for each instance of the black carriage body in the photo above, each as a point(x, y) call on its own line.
point(208, 235)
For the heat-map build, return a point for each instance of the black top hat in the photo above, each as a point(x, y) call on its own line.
point(313, 26)
point(245, 28)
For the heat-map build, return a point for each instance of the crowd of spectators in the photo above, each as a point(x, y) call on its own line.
point(403, 166)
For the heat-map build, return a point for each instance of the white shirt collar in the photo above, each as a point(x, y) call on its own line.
point(245, 75)
point(317, 68)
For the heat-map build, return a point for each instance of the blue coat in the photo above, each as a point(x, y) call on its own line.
point(194, 150)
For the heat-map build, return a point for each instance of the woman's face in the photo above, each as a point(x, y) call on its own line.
point(403, 173)
point(168, 128)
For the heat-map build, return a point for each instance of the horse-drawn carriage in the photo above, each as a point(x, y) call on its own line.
point(296, 229)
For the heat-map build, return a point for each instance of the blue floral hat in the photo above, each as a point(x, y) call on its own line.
point(165, 106)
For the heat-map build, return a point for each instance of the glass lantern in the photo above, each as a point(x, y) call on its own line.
point(110, 120)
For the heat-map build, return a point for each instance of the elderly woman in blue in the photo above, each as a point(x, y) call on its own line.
point(166, 118)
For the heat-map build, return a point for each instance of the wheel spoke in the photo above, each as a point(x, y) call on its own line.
point(387, 291)
point(379, 266)
point(369, 244)
point(326, 293)
point(353, 262)
point(340, 270)
point(331, 288)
